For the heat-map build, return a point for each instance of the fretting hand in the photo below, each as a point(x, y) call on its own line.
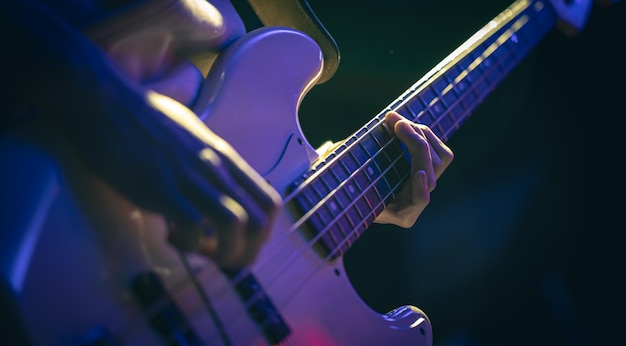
point(429, 159)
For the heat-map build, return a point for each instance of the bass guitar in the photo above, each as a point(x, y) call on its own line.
point(90, 268)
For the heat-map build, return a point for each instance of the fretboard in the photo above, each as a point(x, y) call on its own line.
point(341, 196)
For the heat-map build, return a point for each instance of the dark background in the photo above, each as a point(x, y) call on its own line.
point(522, 241)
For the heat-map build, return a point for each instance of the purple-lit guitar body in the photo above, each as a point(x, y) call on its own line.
point(83, 260)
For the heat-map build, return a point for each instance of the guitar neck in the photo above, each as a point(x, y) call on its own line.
point(447, 95)
point(341, 196)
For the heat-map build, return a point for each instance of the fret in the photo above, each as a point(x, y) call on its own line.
point(444, 123)
point(333, 206)
point(508, 63)
point(393, 153)
point(339, 171)
point(485, 60)
point(357, 156)
point(533, 31)
point(342, 246)
point(464, 86)
point(490, 70)
point(455, 72)
point(344, 198)
point(382, 186)
point(360, 228)
point(449, 97)
point(380, 136)
point(310, 198)
point(458, 87)
point(458, 113)
point(462, 83)
point(341, 200)
point(326, 241)
point(385, 161)
point(464, 63)
point(341, 196)
point(373, 142)
point(400, 166)
point(332, 237)
point(526, 37)
point(355, 214)
point(360, 180)
point(349, 163)
point(348, 226)
point(329, 180)
point(470, 99)
point(436, 109)
point(480, 84)
point(368, 146)
point(359, 153)
point(375, 203)
point(372, 172)
point(424, 117)
point(427, 96)
point(348, 222)
point(320, 189)
point(362, 204)
point(382, 159)
point(474, 94)
point(363, 178)
point(439, 85)
point(416, 109)
point(506, 57)
point(476, 56)
point(350, 186)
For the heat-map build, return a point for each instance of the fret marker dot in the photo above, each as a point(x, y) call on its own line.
point(333, 206)
point(351, 188)
point(437, 108)
point(370, 170)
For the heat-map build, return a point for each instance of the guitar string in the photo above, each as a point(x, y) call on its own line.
point(448, 132)
point(461, 98)
point(305, 276)
point(290, 231)
point(445, 133)
point(206, 301)
point(295, 283)
point(307, 215)
point(506, 34)
point(381, 201)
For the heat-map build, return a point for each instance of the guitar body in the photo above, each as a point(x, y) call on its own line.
point(81, 244)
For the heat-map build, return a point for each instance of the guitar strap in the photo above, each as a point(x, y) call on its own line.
point(298, 14)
